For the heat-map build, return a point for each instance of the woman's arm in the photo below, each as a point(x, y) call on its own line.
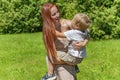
point(80, 44)
point(59, 34)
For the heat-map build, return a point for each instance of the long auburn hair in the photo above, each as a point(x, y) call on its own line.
point(49, 33)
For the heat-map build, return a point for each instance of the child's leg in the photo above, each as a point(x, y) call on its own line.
point(77, 69)
point(76, 66)
point(50, 75)
point(50, 66)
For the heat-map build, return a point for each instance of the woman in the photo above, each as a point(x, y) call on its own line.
point(51, 21)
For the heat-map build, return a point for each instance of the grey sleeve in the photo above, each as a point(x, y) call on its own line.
point(69, 34)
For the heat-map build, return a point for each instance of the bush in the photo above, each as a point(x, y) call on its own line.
point(17, 16)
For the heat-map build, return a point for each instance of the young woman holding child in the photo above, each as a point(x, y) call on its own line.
point(52, 22)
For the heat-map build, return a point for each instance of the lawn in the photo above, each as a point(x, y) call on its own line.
point(22, 57)
point(102, 62)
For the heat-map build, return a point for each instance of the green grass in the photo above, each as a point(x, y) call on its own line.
point(102, 62)
point(22, 57)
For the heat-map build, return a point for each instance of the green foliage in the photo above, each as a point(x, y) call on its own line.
point(17, 16)
point(104, 15)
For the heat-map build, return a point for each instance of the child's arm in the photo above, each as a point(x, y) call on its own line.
point(87, 38)
point(59, 34)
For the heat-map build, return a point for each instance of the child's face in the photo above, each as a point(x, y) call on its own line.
point(79, 27)
point(76, 26)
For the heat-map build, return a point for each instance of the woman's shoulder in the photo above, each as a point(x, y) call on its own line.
point(65, 22)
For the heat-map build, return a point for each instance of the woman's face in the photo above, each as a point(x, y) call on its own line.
point(55, 15)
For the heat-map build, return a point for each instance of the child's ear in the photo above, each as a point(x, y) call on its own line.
point(88, 30)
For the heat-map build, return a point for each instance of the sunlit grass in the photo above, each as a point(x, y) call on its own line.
point(102, 62)
point(22, 57)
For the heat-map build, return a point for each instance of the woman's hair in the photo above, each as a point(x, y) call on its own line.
point(81, 20)
point(49, 31)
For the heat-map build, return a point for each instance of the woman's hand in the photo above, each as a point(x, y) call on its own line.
point(79, 44)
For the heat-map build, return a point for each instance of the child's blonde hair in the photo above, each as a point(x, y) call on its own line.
point(81, 19)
